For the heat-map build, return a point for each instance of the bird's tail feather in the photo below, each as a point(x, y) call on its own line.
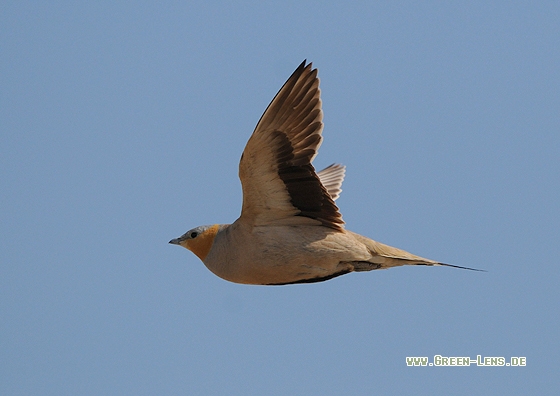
point(458, 266)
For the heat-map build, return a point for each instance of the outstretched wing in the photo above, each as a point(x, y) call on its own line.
point(332, 177)
point(280, 186)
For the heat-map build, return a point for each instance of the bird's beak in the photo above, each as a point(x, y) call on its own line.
point(176, 241)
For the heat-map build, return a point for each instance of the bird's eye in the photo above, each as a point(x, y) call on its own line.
point(194, 234)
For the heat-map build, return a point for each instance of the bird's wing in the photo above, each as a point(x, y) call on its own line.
point(332, 177)
point(280, 186)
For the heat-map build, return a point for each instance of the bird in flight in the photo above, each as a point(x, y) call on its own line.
point(290, 229)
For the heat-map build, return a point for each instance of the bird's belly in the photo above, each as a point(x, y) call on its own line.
point(280, 255)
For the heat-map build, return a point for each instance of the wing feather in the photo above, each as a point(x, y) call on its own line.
point(332, 177)
point(280, 185)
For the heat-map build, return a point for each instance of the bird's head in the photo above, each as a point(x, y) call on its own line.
point(199, 240)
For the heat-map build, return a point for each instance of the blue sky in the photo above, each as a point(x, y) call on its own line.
point(121, 127)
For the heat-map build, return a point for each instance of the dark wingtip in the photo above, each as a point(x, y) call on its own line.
point(304, 65)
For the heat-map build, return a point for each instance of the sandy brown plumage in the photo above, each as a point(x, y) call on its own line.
point(290, 229)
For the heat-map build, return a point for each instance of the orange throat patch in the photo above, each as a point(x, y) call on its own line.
point(202, 244)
